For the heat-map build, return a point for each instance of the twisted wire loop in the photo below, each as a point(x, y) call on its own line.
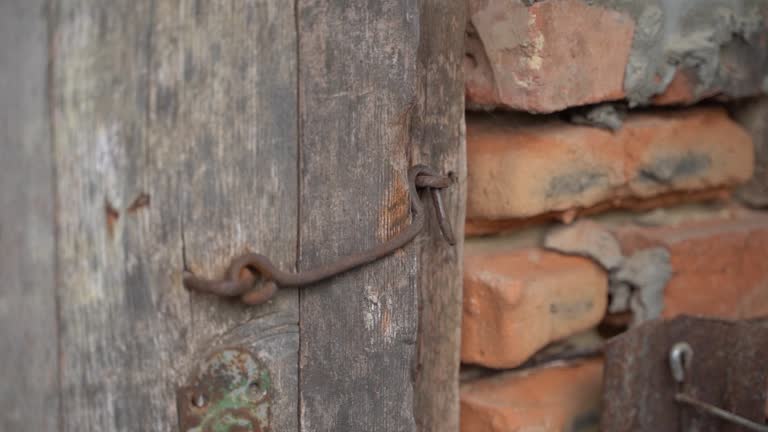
point(255, 279)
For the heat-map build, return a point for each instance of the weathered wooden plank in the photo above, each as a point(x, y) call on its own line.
point(124, 314)
point(175, 145)
point(28, 329)
point(224, 74)
point(360, 88)
point(437, 136)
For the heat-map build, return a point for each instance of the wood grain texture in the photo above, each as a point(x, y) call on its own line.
point(28, 330)
point(357, 83)
point(224, 82)
point(124, 316)
point(175, 145)
point(370, 107)
point(438, 140)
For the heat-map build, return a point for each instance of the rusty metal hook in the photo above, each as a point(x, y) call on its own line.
point(241, 276)
point(680, 358)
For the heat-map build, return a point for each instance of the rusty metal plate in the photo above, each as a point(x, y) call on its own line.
point(729, 369)
point(230, 393)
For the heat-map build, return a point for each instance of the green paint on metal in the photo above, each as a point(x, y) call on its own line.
point(237, 388)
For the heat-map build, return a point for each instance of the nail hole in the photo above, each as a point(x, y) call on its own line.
point(471, 31)
point(198, 400)
point(471, 59)
point(256, 391)
point(141, 201)
point(112, 215)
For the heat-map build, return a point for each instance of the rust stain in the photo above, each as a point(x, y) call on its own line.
point(403, 122)
point(386, 321)
point(111, 215)
point(404, 119)
point(395, 210)
point(140, 202)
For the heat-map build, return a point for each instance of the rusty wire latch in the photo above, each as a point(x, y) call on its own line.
point(246, 270)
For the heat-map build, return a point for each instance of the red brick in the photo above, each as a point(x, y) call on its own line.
point(719, 267)
point(482, 227)
point(551, 399)
point(545, 57)
point(519, 168)
point(558, 54)
point(518, 301)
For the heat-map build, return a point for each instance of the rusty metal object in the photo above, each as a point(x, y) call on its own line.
point(680, 359)
point(723, 365)
point(721, 413)
point(230, 393)
point(255, 279)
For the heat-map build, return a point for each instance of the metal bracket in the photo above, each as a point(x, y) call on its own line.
point(230, 393)
point(653, 383)
point(680, 359)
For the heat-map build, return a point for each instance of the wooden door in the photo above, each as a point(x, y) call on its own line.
point(142, 138)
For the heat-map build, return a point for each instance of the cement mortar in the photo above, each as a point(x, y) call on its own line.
point(607, 115)
point(696, 37)
point(636, 282)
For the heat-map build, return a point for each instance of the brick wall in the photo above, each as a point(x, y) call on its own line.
point(617, 173)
